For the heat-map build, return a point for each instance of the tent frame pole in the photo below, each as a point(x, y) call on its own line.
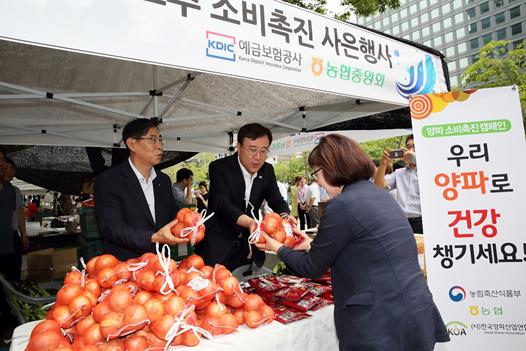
point(40, 131)
point(122, 113)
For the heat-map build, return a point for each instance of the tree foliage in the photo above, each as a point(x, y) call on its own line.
point(498, 67)
point(376, 148)
point(318, 6)
point(287, 169)
point(366, 8)
point(362, 8)
point(197, 164)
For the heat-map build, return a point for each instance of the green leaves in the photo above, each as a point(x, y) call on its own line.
point(31, 312)
point(362, 8)
point(498, 67)
point(279, 268)
point(375, 148)
point(313, 5)
point(366, 8)
point(287, 168)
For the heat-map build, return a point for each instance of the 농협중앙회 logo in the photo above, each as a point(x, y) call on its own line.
point(220, 46)
point(456, 328)
point(421, 79)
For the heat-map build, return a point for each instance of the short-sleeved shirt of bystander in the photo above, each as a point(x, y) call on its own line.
point(405, 181)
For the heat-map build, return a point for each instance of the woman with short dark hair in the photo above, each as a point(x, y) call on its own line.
point(381, 299)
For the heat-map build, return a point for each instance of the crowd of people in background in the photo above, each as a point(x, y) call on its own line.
point(397, 176)
point(136, 206)
point(303, 198)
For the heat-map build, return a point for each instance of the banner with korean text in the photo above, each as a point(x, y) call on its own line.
point(471, 167)
point(302, 142)
point(262, 40)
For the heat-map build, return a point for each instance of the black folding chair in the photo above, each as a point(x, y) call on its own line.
point(10, 291)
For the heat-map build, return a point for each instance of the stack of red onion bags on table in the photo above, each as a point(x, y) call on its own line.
point(147, 303)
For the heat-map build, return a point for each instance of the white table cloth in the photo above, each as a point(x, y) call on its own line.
point(316, 333)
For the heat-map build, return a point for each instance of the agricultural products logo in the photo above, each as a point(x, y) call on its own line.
point(422, 78)
point(457, 294)
point(456, 328)
point(220, 46)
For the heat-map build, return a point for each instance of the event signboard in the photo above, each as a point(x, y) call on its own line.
point(303, 142)
point(470, 148)
point(262, 40)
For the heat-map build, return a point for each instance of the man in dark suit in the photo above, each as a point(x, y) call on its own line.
point(133, 203)
point(239, 183)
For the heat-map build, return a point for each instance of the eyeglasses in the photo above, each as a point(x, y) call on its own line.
point(314, 175)
point(153, 139)
point(253, 151)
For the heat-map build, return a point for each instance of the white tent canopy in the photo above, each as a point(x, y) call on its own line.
point(27, 188)
point(74, 72)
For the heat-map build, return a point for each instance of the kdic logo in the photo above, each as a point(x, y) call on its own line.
point(220, 46)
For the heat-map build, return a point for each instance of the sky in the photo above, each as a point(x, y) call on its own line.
point(333, 5)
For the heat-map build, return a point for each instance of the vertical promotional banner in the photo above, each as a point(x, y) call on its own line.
point(471, 156)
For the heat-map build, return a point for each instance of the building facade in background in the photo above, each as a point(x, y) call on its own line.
point(457, 28)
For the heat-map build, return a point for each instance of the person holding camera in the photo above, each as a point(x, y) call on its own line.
point(405, 181)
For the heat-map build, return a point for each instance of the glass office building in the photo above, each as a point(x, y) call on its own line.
point(457, 28)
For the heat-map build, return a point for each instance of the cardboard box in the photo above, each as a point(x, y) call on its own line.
point(64, 259)
point(50, 264)
point(39, 265)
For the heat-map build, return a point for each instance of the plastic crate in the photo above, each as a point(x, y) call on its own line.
point(180, 252)
point(41, 213)
point(88, 223)
point(90, 248)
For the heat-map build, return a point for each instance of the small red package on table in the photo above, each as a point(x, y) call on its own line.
point(319, 289)
point(325, 279)
point(269, 297)
point(291, 279)
point(285, 316)
point(321, 303)
point(327, 296)
point(294, 293)
point(266, 284)
point(304, 305)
